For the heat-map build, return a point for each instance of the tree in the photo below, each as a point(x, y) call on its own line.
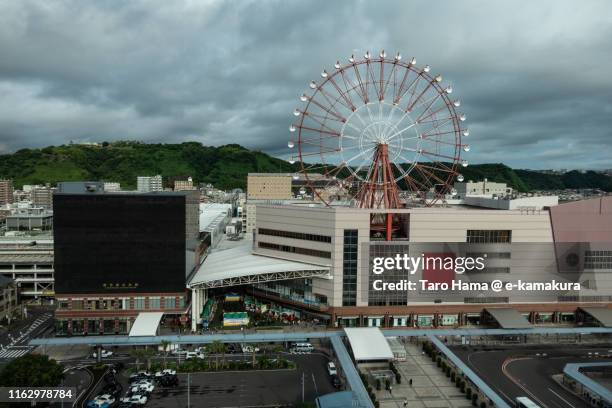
point(217, 347)
point(32, 370)
point(165, 344)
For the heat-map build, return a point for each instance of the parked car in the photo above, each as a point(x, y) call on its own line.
point(135, 399)
point(169, 381)
point(331, 368)
point(112, 389)
point(142, 387)
point(101, 401)
point(140, 376)
point(247, 348)
point(178, 351)
point(336, 381)
point(103, 354)
point(165, 372)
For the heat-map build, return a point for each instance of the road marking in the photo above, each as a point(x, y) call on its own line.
point(561, 398)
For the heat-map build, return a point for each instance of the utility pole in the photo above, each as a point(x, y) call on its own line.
point(188, 390)
point(302, 386)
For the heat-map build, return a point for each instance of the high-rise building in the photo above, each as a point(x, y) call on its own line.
point(146, 184)
point(120, 254)
point(6, 192)
point(42, 197)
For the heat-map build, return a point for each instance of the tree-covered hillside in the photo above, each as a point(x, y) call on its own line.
point(224, 166)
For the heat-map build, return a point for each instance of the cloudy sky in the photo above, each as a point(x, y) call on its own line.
point(534, 77)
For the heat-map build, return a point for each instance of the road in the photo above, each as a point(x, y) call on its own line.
point(525, 371)
point(15, 343)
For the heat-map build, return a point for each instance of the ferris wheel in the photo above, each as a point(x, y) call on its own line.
point(381, 132)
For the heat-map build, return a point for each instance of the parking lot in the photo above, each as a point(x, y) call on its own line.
point(248, 388)
point(240, 388)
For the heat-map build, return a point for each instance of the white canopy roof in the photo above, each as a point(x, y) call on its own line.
point(239, 265)
point(368, 343)
point(146, 324)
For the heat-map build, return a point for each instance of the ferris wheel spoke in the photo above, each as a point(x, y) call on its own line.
point(364, 92)
point(431, 154)
point(436, 126)
point(328, 109)
point(327, 132)
point(357, 156)
point(424, 122)
point(347, 100)
point(411, 105)
point(391, 74)
point(399, 132)
point(400, 90)
point(441, 168)
point(421, 168)
point(370, 73)
point(431, 113)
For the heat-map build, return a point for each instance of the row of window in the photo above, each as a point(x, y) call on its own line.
point(598, 259)
point(349, 267)
point(489, 255)
point(491, 299)
point(295, 235)
point(493, 269)
point(489, 236)
point(295, 250)
point(137, 303)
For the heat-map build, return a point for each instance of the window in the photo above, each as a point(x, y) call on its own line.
point(489, 236)
point(489, 255)
point(349, 268)
point(139, 303)
point(154, 303)
point(597, 259)
point(295, 250)
point(492, 299)
point(170, 303)
point(294, 235)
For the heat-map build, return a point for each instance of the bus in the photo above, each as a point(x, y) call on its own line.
point(524, 402)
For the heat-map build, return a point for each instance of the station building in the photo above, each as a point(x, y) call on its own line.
point(320, 259)
point(120, 254)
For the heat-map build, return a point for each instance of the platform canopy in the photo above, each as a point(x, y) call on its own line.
point(146, 324)
point(508, 318)
point(239, 266)
point(602, 314)
point(368, 344)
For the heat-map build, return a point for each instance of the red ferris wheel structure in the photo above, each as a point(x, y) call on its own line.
point(379, 132)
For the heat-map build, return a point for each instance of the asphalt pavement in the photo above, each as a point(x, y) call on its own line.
point(14, 343)
point(528, 371)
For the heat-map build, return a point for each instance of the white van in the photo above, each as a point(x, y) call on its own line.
point(302, 348)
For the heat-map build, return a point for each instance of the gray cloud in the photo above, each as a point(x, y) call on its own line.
point(533, 76)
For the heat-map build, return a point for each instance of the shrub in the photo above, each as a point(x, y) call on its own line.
point(398, 378)
point(387, 383)
point(483, 404)
point(452, 376)
point(475, 399)
point(378, 384)
point(468, 393)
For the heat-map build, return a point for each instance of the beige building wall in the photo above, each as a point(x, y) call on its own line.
point(269, 186)
point(533, 255)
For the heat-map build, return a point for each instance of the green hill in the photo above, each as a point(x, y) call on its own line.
point(224, 166)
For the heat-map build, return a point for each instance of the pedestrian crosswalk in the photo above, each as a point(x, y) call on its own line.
point(12, 352)
point(18, 345)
